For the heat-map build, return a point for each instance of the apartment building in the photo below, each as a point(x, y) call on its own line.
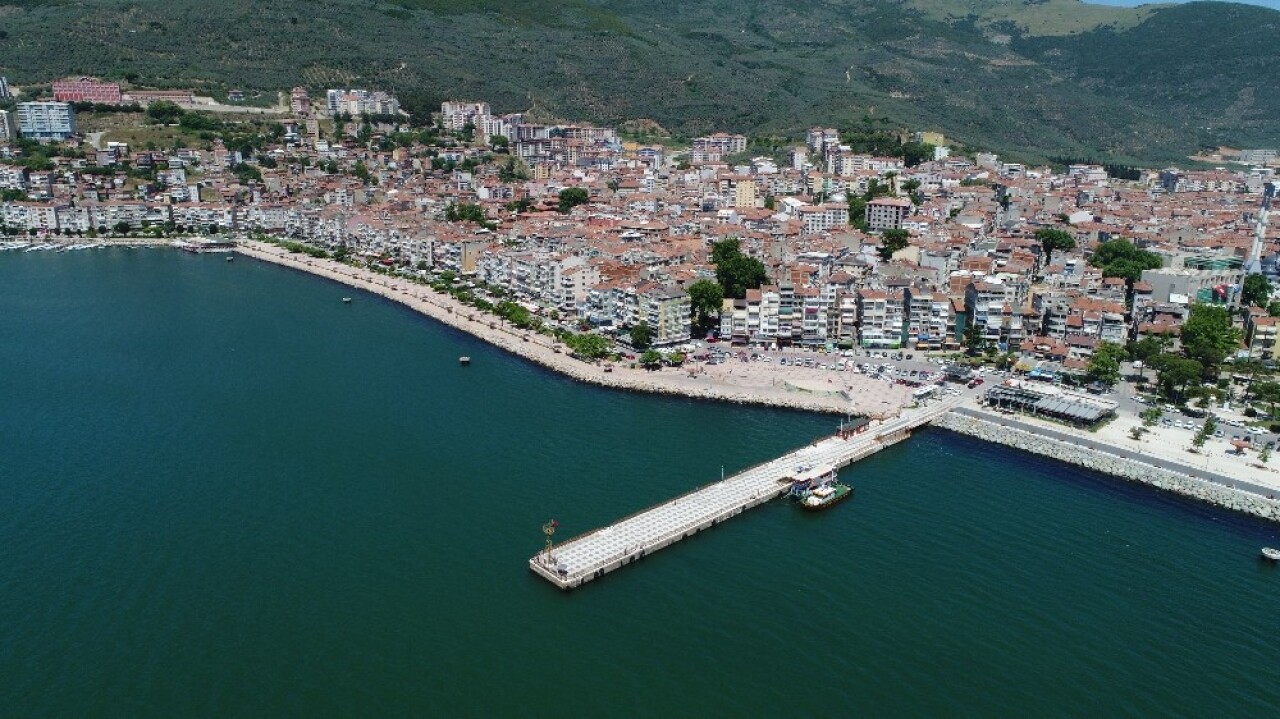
point(8, 126)
point(666, 309)
point(357, 102)
point(300, 101)
point(887, 213)
point(929, 319)
point(880, 319)
point(456, 113)
point(720, 143)
point(1262, 333)
point(823, 218)
point(46, 120)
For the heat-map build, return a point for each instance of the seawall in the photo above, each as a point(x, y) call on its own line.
point(1203, 485)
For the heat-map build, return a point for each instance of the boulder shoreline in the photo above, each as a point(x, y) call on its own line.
point(1219, 490)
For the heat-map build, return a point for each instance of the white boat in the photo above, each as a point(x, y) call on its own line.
point(1270, 554)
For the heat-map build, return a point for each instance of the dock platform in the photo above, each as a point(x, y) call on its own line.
point(591, 555)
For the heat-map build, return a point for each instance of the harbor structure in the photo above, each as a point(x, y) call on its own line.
point(590, 556)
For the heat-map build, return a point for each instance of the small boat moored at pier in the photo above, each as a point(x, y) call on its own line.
point(825, 496)
point(817, 487)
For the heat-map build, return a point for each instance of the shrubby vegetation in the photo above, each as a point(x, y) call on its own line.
point(772, 68)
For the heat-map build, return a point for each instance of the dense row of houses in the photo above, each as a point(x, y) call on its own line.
point(971, 273)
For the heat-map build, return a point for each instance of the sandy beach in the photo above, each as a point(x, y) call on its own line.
point(799, 388)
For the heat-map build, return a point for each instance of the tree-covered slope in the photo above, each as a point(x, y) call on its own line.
point(1050, 77)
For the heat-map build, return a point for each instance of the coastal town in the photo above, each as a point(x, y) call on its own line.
point(858, 271)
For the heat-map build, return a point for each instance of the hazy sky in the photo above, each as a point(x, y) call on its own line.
point(1273, 4)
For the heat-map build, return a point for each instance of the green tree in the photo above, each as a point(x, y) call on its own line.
point(246, 173)
point(1206, 431)
point(705, 299)
point(1151, 415)
point(975, 339)
point(651, 360)
point(724, 249)
point(571, 197)
point(1121, 258)
point(1147, 347)
point(513, 170)
point(1104, 365)
point(914, 153)
point(361, 171)
point(121, 228)
point(1052, 239)
point(1175, 373)
point(588, 346)
point(1256, 291)
point(641, 335)
point(858, 212)
point(892, 241)
point(735, 271)
point(164, 112)
point(1208, 336)
point(1268, 393)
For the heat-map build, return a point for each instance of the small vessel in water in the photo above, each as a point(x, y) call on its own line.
point(825, 495)
point(464, 361)
point(1270, 554)
point(230, 257)
point(817, 487)
point(346, 300)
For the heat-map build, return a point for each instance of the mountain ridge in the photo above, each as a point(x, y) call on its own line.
point(1046, 77)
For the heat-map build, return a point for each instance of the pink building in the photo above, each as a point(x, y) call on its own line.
point(86, 89)
point(300, 101)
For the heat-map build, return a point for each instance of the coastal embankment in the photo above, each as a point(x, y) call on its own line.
point(545, 351)
point(1159, 472)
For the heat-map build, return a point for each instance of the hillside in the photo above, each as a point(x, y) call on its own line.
point(1046, 77)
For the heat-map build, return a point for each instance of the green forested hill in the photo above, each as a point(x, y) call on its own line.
point(1047, 77)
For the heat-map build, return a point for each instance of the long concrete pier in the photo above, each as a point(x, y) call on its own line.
point(592, 555)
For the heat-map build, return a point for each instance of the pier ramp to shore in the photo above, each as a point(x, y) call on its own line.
point(593, 554)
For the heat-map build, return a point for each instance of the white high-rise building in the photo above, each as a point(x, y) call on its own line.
point(46, 120)
point(8, 126)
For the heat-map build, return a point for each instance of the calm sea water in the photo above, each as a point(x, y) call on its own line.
point(225, 493)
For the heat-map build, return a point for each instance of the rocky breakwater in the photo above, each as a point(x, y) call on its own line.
point(539, 348)
point(1085, 452)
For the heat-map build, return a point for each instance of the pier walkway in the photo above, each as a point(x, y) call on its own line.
point(594, 554)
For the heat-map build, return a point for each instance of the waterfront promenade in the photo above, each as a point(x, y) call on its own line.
point(855, 395)
point(592, 555)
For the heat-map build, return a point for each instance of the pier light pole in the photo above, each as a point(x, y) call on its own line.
point(549, 529)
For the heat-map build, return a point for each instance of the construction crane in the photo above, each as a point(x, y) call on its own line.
point(1254, 265)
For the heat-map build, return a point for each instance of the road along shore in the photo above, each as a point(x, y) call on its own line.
point(541, 349)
